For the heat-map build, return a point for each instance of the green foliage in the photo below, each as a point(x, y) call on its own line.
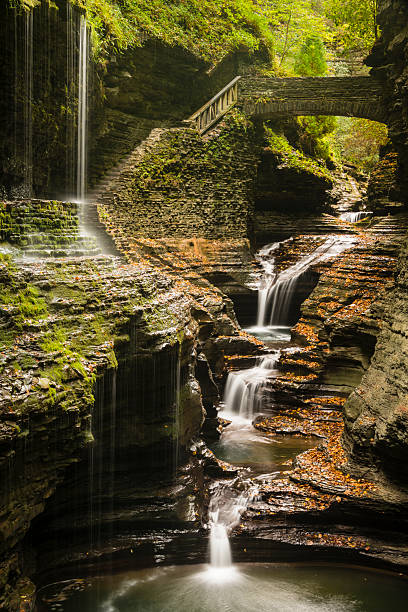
point(358, 141)
point(314, 134)
point(26, 302)
point(291, 24)
point(293, 158)
point(208, 28)
point(311, 60)
point(356, 23)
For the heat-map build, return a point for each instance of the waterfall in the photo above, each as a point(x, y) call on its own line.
point(275, 294)
point(220, 549)
point(82, 137)
point(225, 510)
point(354, 217)
point(243, 390)
point(268, 264)
point(71, 91)
point(28, 103)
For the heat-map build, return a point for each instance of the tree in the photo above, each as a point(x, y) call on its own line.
point(311, 59)
point(291, 23)
point(356, 21)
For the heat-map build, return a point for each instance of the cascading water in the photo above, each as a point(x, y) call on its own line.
point(82, 137)
point(267, 261)
point(243, 390)
point(71, 103)
point(354, 217)
point(276, 294)
point(28, 104)
point(225, 510)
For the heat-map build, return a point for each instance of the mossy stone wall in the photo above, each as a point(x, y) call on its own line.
point(21, 219)
point(181, 185)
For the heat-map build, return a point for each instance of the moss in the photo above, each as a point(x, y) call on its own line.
point(208, 28)
point(293, 158)
point(26, 303)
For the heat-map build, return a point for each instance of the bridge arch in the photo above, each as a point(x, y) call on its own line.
point(266, 98)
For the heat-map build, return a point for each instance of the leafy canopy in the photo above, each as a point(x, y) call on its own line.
point(291, 24)
point(356, 23)
point(311, 59)
point(208, 28)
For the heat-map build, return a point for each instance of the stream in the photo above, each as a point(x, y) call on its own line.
point(221, 585)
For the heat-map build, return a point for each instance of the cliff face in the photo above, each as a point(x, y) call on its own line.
point(376, 426)
point(376, 414)
point(389, 64)
point(129, 93)
point(88, 343)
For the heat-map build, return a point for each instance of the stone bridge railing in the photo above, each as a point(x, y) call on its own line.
point(209, 114)
point(267, 97)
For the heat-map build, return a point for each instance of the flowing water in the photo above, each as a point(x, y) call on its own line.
point(253, 587)
point(276, 293)
point(246, 447)
point(225, 510)
point(82, 139)
point(354, 217)
point(243, 395)
point(28, 103)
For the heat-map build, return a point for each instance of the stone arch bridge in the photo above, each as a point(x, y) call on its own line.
point(266, 98)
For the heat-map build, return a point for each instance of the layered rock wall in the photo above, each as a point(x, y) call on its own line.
point(376, 433)
point(376, 414)
point(180, 185)
point(389, 66)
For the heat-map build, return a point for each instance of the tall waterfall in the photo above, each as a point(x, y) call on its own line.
point(243, 391)
point(71, 101)
point(28, 103)
point(82, 138)
point(276, 293)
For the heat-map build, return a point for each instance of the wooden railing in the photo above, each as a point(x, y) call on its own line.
point(216, 108)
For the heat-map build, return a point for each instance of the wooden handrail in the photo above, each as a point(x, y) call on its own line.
point(214, 109)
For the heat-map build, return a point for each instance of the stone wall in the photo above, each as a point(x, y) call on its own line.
point(266, 97)
point(22, 218)
point(43, 228)
point(376, 414)
point(179, 185)
point(389, 66)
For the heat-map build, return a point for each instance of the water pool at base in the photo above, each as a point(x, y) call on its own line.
point(244, 446)
point(243, 588)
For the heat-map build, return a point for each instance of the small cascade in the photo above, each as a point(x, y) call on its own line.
point(267, 261)
point(28, 103)
point(225, 510)
point(243, 391)
point(354, 217)
point(276, 295)
point(82, 138)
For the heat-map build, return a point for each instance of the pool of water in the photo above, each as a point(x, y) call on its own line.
point(271, 333)
point(244, 446)
point(245, 588)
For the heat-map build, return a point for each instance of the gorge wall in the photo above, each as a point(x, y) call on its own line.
point(141, 339)
point(376, 423)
